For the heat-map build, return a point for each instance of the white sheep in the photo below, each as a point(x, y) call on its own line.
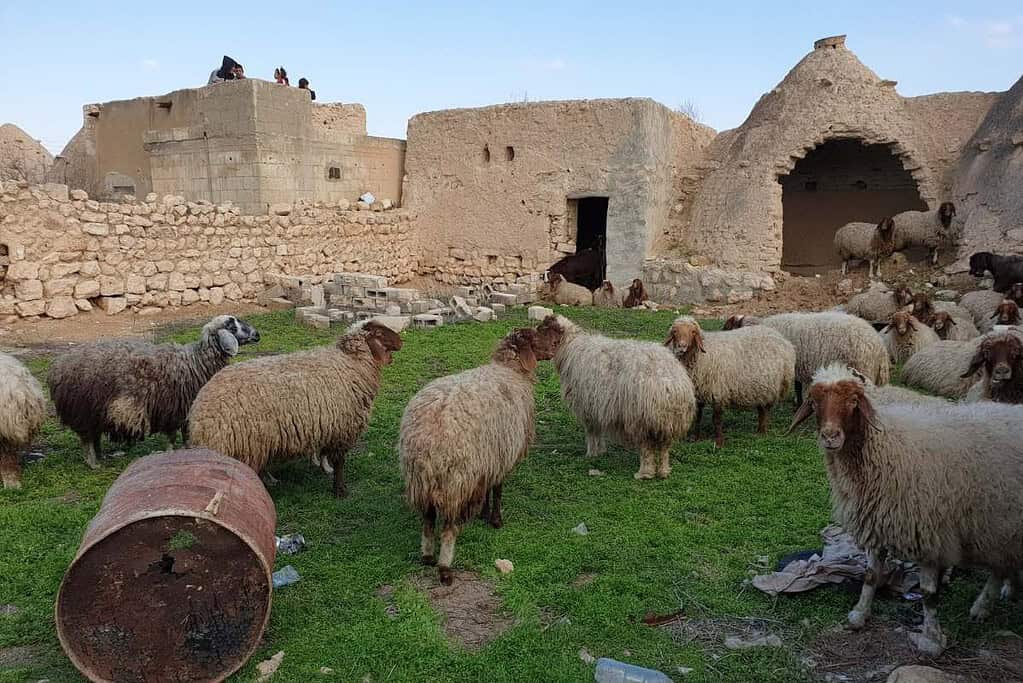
point(878, 303)
point(982, 304)
point(751, 367)
point(938, 369)
point(905, 335)
point(561, 291)
point(865, 241)
point(22, 413)
point(931, 229)
point(891, 393)
point(938, 485)
point(952, 322)
point(606, 297)
point(634, 392)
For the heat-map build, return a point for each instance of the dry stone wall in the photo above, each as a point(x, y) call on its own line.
point(61, 252)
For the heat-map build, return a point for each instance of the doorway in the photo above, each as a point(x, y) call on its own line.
point(588, 216)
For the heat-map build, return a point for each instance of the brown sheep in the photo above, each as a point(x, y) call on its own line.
point(1007, 313)
point(1000, 356)
point(606, 296)
point(942, 323)
point(636, 296)
point(923, 307)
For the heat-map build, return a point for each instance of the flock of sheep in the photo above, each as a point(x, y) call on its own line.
point(914, 475)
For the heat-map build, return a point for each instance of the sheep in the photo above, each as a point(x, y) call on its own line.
point(938, 485)
point(636, 296)
point(878, 303)
point(606, 296)
point(1005, 313)
point(22, 413)
point(905, 335)
point(891, 393)
point(585, 268)
point(463, 434)
point(982, 303)
point(931, 229)
point(290, 406)
point(938, 369)
point(865, 241)
point(922, 307)
point(130, 388)
point(822, 338)
point(1006, 270)
point(634, 392)
point(999, 361)
point(752, 367)
point(561, 291)
point(953, 326)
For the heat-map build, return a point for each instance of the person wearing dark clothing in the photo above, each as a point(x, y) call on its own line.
point(281, 76)
point(229, 70)
point(303, 83)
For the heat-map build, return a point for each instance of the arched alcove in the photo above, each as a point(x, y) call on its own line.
point(838, 182)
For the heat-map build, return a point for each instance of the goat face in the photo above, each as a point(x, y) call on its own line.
point(942, 323)
point(903, 322)
point(1007, 313)
point(945, 213)
point(885, 228)
point(980, 263)
point(903, 296)
point(685, 338)
point(242, 331)
point(382, 341)
point(843, 413)
point(999, 356)
point(1016, 292)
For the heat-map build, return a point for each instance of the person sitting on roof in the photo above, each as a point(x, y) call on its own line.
point(281, 76)
point(229, 70)
point(303, 83)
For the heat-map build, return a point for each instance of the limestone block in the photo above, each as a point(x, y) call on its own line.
point(483, 314)
point(28, 309)
point(176, 281)
point(150, 310)
point(83, 305)
point(538, 313)
point(92, 216)
point(28, 290)
point(23, 270)
point(112, 304)
point(217, 295)
point(151, 197)
point(110, 285)
point(503, 299)
point(60, 270)
point(427, 320)
point(89, 268)
point(58, 287)
point(61, 307)
point(133, 299)
point(189, 297)
point(279, 304)
point(79, 195)
point(136, 284)
point(232, 292)
point(280, 209)
point(87, 289)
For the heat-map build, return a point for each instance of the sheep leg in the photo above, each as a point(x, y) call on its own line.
point(930, 641)
point(337, 461)
point(184, 434)
point(426, 539)
point(594, 443)
point(844, 266)
point(871, 581)
point(91, 447)
point(10, 469)
point(646, 465)
point(719, 434)
point(763, 418)
point(495, 507)
point(696, 422)
point(268, 479)
point(664, 465)
point(981, 608)
point(325, 465)
point(485, 509)
point(799, 393)
point(448, 536)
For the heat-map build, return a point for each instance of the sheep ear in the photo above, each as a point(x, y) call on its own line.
point(975, 364)
point(380, 352)
point(912, 323)
point(805, 411)
point(227, 342)
point(952, 320)
point(526, 357)
point(699, 342)
point(867, 411)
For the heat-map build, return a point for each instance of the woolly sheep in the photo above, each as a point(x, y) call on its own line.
point(955, 325)
point(878, 303)
point(938, 485)
point(1005, 313)
point(891, 393)
point(931, 229)
point(130, 388)
point(290, 406)
point(561, 291)
point(634, 392)
point(982, 303)
point(752, 367)
point(938, 369)
point(636, 296)
point(865, 241)
point(999, 362)
point(463, 434)
point(606, 296)
point(22, 413)
point(905, 335)
point(823, 338)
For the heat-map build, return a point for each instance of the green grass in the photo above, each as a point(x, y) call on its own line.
point(654, 546)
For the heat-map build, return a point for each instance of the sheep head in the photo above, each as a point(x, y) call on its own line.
point(228, 333)
point(1016, 292)
point(1007, 313)
point(381, 341)
point(886, 228)
point(607, 288)
point(945, 213)
point(903, 323)
point(685, 338)
point(903, 296)
point(843, 411)
point(980, 263)
point(637, 294)
point(923, 309)
point(734, 322)
point(554, 281)
point(942, 323)
point(554, 330)
point(999, 355)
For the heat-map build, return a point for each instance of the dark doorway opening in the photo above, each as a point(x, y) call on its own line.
point(591, 227)
point(841, 181)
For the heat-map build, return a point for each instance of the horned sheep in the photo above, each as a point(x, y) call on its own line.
point(130, 388)
point(940, 486)
point(463, 434)
point(823, 338)
point(22, 413)
point(905, 335)
point(293, 405)
point(634, 392)
point(751, 367)
point(931, 229)
point(865, 241)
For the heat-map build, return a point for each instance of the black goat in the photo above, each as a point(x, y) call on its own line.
point(1005, 269)
point(587, 268)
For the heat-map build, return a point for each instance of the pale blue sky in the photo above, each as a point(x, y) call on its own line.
point(402, 58)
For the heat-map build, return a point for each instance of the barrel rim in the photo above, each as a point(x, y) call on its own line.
point(166, 512)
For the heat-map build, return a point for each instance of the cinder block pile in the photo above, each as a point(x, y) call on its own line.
point(345, 298)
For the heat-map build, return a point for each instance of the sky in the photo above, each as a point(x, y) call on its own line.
point(398, 59)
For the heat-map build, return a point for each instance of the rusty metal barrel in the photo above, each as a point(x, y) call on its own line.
point(172, 580)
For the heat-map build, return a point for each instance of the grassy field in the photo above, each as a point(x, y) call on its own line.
point(654, 547)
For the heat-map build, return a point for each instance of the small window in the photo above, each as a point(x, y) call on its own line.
point(486, 154)
point(509, 153)
point(164, 105)
point(334, 173)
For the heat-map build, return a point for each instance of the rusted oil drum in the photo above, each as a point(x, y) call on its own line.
point(172, 581)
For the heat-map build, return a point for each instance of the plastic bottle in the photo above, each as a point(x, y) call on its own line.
point(285, 576)
point(613, 671)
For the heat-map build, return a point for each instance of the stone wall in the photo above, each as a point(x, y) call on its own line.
point(61, 253)
point(22, 157)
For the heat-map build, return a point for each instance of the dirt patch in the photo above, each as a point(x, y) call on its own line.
point(583, 580)
point(18, 656)
point(871, 654)
point(472, 611)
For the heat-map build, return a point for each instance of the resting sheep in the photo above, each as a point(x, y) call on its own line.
point(1005, 313)
point(940, 486)
point(999, 361)
point(905, 335)
point(931, 229)
point(751, 367)
point(561, 291)
point(938, 369)
point(297, 404)
point(606, 296)
point(636, 296)
point(823, 338)
point(22, 413)
point(878, 303)
point(982, 303)
point(463, 434)
point(585, 268)
point(865, 241)
point(1006, 270)
point(634, 392)
point(891, 393)
point(129, 388)
point(953, 326)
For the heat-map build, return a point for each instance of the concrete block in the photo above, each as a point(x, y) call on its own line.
point(376, 293)
point(279, 304)
point(370, 281)
point(461, 307)
point(483, 314)
point(416, 307)
point(338, 316)
point(398, 323)
point(448, 314)
point(538, 312)
point(498, 309)
point(392, 309)
point(401, 293)
point(318, 296)
point(427, 320)
point(504, 299)
point(317, 321)
point(465, 292)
